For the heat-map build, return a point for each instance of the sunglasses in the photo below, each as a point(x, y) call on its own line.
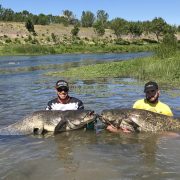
point(65, 89)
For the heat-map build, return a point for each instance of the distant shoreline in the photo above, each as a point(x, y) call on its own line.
point(11, 50)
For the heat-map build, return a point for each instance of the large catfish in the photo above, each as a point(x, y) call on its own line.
point(43, 121)
point(139, 120)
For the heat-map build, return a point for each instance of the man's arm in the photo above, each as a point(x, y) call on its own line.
point(80, 105)
point(48, 107)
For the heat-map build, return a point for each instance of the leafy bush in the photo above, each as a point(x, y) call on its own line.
point(29, 26)
point(8, 40)
point(75, 30)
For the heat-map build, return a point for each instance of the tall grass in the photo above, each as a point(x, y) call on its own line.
point(34, 49)
point(27, 49)
point(103, 48)
point(168, 47)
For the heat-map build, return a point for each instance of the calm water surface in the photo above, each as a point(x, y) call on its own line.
point(80, 155)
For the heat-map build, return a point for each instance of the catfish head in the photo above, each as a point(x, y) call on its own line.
point(75, 119)
point(119, 118)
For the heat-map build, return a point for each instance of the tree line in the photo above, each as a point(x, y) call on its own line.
point(99, 21)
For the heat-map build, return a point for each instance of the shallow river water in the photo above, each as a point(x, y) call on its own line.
point(79, 155)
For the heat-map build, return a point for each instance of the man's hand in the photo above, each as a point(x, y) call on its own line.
point(113, 129)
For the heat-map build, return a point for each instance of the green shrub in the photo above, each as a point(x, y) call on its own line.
point(121, 42)
point(8, 40)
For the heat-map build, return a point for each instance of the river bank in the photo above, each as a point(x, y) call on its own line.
point(28, 49)
point(165, 71)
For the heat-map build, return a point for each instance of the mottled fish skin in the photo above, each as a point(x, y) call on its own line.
point(54, 121)
point(75, 120)
point(139, 120)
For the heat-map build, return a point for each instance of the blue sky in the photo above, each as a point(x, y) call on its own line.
point(131, 10)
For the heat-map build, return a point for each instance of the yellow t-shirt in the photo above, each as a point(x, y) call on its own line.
point(159, 107)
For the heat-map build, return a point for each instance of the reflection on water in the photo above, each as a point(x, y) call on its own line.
point(80, 154)
point(20, 64)
point(87, 155)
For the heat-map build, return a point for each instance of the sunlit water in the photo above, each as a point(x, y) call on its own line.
point(80, 155)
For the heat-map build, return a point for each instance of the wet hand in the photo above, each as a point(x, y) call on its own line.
point(111, 128)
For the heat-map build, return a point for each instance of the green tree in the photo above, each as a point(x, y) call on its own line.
point(54, 38)
point(7, 14)
point(43, 19)
point(178, 28)
point(70, 17)
point(146, 27)
point(35, 19)
point(25, 13)
point(1, 11)
point(170, 29)
point(158, 27)
point(102, 17)
point(119, 26)
point(135, 28)
point(29, 26)
point(87, 19)
point(68, 14)
point(99, 28)
point(75, 30)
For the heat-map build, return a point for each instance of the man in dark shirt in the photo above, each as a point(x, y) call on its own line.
point(65, 102)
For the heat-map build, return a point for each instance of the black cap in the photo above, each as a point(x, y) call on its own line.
point(61, 83)
point(150, 86)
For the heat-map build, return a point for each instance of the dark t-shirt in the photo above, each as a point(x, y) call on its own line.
point(72, 104)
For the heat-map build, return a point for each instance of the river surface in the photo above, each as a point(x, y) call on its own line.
point(79, 155)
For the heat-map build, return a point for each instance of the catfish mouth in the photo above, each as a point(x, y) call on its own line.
point(125, 125)
point(91, 113)
point(89, 117)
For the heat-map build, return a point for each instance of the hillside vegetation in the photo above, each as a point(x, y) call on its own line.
point(16, 32)
point(26, 33)
point(57, 38)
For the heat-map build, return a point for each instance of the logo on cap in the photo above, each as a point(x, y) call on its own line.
point(150, 86)
point(61, 83)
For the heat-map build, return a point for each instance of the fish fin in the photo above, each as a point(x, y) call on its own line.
point(61, 126)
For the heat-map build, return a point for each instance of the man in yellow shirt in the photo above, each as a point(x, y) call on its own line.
point(151, 102)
